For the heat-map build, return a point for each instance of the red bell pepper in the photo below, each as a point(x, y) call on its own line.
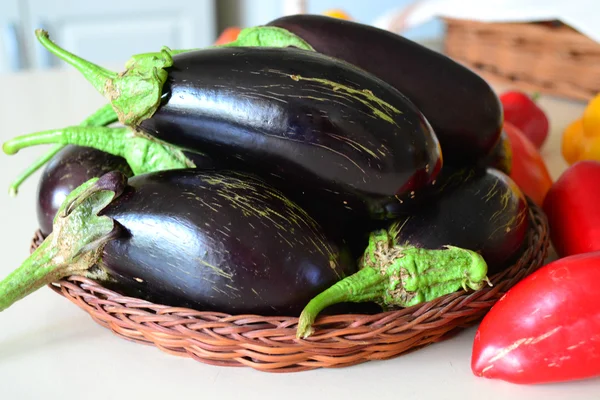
point(528, 168)
point(546, 328)
point(573, 209)
point(523, 112)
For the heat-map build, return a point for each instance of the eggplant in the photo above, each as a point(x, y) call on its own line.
point(69, 168)
point(500, 157)
point(324, 129)
point(473, 227)
point(478, 209)
point(220, 241)
point(463, 109)
point(74, 165)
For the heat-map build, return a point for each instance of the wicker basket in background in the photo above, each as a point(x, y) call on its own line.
point(548, 57)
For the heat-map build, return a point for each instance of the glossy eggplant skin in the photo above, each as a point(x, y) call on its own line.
point(221, 241)
point(478, 209)
point(462, 108)
point(68, 169)
point(500, 157)
point(327, 132)
point(74, 165)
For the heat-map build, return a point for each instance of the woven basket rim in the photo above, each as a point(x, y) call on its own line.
point(269, 343)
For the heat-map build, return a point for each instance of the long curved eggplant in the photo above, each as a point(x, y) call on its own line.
point(325, 128)
point(220, 241)
point(69, 168)
point(462, 108)
point(481, 210)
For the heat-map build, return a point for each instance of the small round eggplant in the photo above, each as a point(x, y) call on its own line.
point(68, 169)
point(74, 165)
point(477, 209)
point(219, 241)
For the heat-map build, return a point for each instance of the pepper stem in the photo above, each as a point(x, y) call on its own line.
point(141, 153)
point(102, 117)
point(400, 276)
point(75, 243)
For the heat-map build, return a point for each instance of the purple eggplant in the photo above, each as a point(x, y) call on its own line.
point(74, 165)
point(462, 108)
point(481, 210)
point(68, 169)
point(336, 139)
point(500, 157)
point(219, 241)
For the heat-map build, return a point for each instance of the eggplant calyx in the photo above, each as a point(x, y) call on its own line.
point(257, 36)
point(135, 94)
point(268, 36)
point(400, 276)
point(142, 153)
point(76, 242)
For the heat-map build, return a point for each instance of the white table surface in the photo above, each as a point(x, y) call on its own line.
point(50, 349)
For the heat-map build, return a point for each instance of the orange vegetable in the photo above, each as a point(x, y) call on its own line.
point(581, 139)
point(336, 13)
point(591, 117)
point(572, 141)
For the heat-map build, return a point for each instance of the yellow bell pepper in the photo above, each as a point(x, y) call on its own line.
point(581, 139)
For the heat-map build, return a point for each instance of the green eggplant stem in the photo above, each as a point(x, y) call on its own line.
point(102, 117)
point(365, 285)
point(13, 188)
point(75, 244)
point(99, 77)
point(38, 270)
point(400, 276)
point(142, 154)
point(134, 94)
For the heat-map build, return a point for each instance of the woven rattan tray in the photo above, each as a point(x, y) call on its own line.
point(269, 343)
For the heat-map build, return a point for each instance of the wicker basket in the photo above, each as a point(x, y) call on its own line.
point(545, 57)
point(269, 343)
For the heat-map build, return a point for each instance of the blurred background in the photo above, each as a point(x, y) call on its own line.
point(551, 46)
point(109, 31)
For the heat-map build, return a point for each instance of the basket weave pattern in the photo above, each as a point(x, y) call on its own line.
point(269, 343)
point(549, 58)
